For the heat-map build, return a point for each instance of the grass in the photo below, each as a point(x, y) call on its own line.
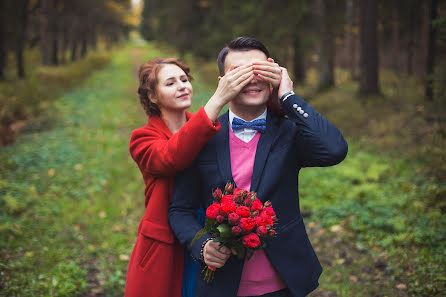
point(71, 197)
point(24, 102)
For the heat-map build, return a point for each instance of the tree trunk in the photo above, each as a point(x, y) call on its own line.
point(410, 39)
point(73, 50)
point(350, 36)
point(326, 48)
point(54, 50)
point(368, 83)
point(395, 39)
point(84, 45)
point(21, 38)
point(298, 57)
point(45, 39)
point(2, 41)
point(430, 63)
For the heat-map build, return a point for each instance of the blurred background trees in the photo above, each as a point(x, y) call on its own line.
point(361, 35)
point(64, 30)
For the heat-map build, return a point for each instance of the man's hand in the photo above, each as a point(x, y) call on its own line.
point(268, 71)
point(286, 84)
point(215, 255)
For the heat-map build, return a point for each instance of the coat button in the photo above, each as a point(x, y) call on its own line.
point(295, 105)
point(301, 111)
point(305, 115)
point(299, 108)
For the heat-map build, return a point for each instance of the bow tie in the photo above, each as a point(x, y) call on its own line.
point(259, 125)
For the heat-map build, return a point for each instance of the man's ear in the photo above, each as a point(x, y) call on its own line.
point(219, 78)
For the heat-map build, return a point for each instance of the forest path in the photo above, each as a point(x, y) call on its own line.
point(75, 198)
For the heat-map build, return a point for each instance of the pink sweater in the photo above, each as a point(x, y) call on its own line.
point(259, 276)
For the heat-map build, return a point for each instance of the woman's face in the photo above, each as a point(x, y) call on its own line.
point(174, 90)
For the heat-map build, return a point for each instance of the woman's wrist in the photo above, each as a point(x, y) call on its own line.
point(213, 108)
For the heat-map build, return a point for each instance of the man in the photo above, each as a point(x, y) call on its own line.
point(266, 162)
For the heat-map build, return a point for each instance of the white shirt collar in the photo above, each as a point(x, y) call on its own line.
point(232, 115)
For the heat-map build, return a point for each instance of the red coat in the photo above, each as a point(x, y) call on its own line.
point(156, 264)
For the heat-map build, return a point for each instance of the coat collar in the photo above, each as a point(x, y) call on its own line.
point(158, 123)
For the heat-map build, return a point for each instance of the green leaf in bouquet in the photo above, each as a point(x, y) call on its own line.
point(240, 251)
point(199, 234)
point(225, 230)
point(209, 224)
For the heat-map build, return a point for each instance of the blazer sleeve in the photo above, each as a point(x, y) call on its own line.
point(317, 141)
point(162, 157)
point(186, 199)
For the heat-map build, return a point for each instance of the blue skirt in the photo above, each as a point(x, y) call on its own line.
point(190, 265)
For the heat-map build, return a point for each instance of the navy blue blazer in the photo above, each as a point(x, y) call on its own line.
point(304, 139)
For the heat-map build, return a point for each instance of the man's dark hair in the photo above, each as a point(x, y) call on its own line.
point(239, 44)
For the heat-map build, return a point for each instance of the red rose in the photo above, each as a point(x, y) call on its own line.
point(268, 219)
point(261, 231)
point(239, 195)
point(260, 221)
point(229, 188)
point(238, 191)
point(220, 218)
point(252, 196)
point(247, 224)
point(248, 202)
point(236, 230)
point(226, 207)
point(217, 194)
point(269, 210)
point(251, 240)
point(257, 205)
point(243, 211)
point(227, 198)
point(233, 218)
point(271, 232)
point(213, 211)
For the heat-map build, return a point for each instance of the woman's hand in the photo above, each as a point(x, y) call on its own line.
point(229, 86)
point(268, 71)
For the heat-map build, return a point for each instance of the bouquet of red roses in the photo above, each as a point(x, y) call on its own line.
point(238, 219)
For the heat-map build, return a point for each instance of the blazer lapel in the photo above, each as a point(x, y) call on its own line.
point(222, 148)
point(263, 148)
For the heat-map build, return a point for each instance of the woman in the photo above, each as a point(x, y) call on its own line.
point(167, 144)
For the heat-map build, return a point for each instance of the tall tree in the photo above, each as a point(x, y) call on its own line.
point(2, 39)
point(326, 46)
point(23, 6)
point(431, 52)
point(368, 83)
point(351, 16)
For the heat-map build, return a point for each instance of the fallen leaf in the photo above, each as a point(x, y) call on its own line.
point(124, 257)
point(51, 172)
point(336, 228)
point(102, 214)
point(353, 278)
point(340, 261)
point(401, 286)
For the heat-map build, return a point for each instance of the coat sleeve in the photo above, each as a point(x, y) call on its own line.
point(162, 157)
point(318, 142)
point(186, 199)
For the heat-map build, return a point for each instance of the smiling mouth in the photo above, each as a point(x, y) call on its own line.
point(252, 91)
point(183, 96)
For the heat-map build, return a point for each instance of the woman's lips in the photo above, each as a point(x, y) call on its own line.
point(184, 96)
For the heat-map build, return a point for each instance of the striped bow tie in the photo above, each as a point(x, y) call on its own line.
point(259, 125)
